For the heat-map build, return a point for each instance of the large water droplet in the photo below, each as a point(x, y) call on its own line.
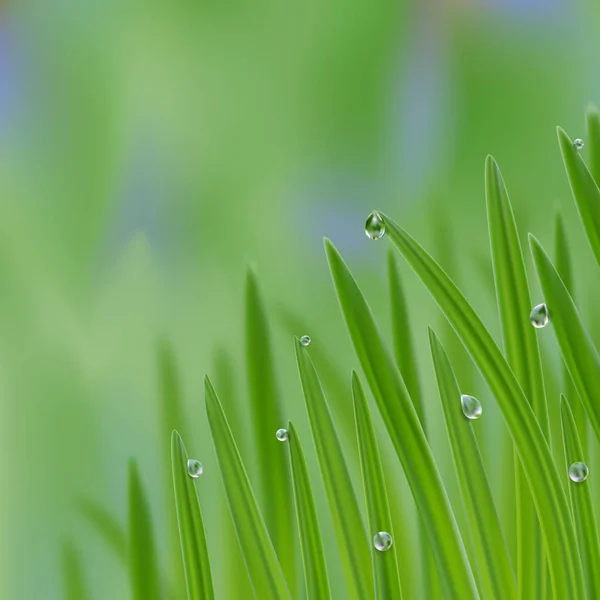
point(375, 226)
point(305, 340)
point(578, 472)
point(382, 541)
point(578, 143)
point(195, 468)
point(539, 316)
point(282, 435)
point(471, 407)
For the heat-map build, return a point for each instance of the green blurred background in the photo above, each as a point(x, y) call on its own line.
point(151, 151)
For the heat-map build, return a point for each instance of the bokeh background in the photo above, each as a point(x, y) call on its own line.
point(150, 152)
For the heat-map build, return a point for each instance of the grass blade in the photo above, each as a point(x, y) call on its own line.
point(583, 507)
point(196, 564)
point(496, 576)
point(313, 556)
point(406, 433)
point(347, 520)
point(107, 526)
point(75, 588)
point(385, 566)
point(544, 480)
point(257, 549)
point(143, 566)
point(593, 141)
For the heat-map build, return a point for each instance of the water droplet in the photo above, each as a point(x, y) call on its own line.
point(539, 316)
point(578, 143)
point(305, 340)
point(282, 435)
point(195, 468)
point(375, 226)
point(382, 541)
point(578, 472)
point(471, 407)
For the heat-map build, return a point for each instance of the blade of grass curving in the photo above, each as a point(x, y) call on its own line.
point(585, 191)
point(544, 480)
point(593, 141)
point(196, 564)
point(385, 565)
point(523, 356)
point(582, 504)
point(143, 566)
point(406, 433)
point(264, 570)
point(496, 576)
point(313, 556)
point(576, 345)
point(345, 512)
point(107, 526)
point(75, 587)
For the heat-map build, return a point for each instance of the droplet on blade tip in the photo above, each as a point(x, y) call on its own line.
point(305, 340)
point(195, 468)
point(282, 435)
point(375, 226)
point(578, 143)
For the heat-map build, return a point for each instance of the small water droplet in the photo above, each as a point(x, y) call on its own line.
point(578, 472)
point(305, 340)
point(195, 468)
point(375, 226)
point(578, 143)
point(539, 316)
point(282, 435)
point(382, 541)
point(471, 407)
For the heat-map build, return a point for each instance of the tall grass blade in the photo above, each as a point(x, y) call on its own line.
point(406, 433)
point(544, 480)
point(257, 549)
point(593, 141)
point(313, 556)
point(74, 582)
point(196, 564)
point(107, 526)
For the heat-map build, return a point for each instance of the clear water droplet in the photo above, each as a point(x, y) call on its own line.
point(282, 435)
point(195, 468)
point(471, 407)
point(305, 340)
point(375, 226)
point(578, 143)
point(539, 316)
point(578, 472)
point(382, 541)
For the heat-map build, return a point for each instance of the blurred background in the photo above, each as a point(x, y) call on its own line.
point(150, 152)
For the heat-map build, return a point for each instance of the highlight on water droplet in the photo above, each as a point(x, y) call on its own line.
point(282, 435)
point(195, 468)
point(375, 226)
point(539, 316)
point(471, 407)
point(578, 472)
point(305, 340)
point(578, 143)
point(383, 541)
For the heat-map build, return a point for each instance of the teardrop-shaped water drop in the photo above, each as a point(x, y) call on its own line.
point(305, 340)
point(471, 407)
point(195, 468)
point(578, 472)
point(382, 541)
point(282, 435)
point(539, 316)
point(578, 143)
point(375, 226)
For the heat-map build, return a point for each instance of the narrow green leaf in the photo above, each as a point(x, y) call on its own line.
point(385, 566)
point(585, 191)
point(143, 566)
point(107, 526)
point(406, 433)
point(496, 576)
point(347, 520)
point(313, 556)
point(528, 438)
point(582, 503)
point(196, 564)
point(593, 141)
point(75, 587)
point(257, 549)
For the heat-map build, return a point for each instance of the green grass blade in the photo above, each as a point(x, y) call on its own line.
point(345, 512)
point(576, 346)
point(196, 564)
point(585, 191)
point(385, 566)
point(143, 566)
point(107, 526)
point(496, 576)
point(593, 141)
point(74, 582)
point(313, 556)
point(406, 433)
point(544, 479)
point(257, 549)
point(582, 503)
